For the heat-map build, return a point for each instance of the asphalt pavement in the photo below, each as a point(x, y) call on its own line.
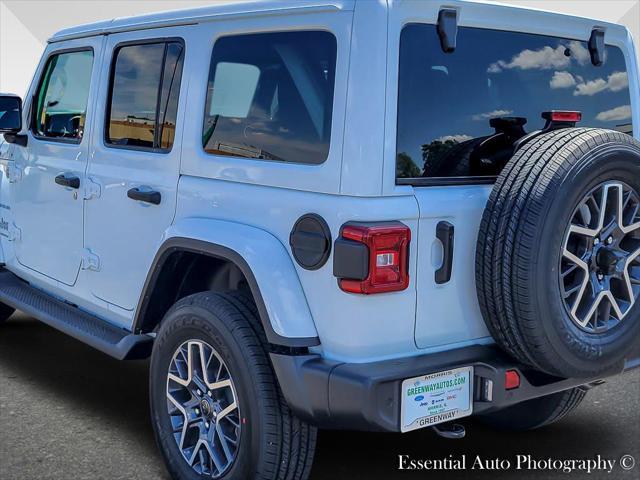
point(68, 412)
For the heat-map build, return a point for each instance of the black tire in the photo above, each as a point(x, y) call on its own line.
point(5, 312)
point(274, 444)
point(519, 250)
point(535, 413)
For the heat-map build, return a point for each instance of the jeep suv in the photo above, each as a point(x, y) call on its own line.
point(336, 214)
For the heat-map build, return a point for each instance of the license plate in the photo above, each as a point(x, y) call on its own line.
point(436, 398)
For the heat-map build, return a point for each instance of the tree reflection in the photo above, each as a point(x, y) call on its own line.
point(406, 167)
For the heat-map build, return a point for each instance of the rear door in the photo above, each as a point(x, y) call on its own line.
point(458, 115)
point(135, 163)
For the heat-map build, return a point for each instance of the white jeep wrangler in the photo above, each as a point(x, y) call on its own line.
point(376, 215)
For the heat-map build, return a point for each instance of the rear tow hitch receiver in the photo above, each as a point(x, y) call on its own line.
point(452, 431)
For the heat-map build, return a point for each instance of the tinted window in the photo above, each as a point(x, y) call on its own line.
point(61, 101)
point(458, 113)
point(168, 111)
point(270, 96)
point(144, 95)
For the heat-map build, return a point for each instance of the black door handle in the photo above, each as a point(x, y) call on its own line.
point(67, 180)
point(444, 233)
point(148, 196)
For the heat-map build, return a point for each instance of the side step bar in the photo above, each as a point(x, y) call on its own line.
point(83, 326)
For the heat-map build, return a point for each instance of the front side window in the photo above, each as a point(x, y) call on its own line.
point(270, 96)
point(459, 113)
point(61, 100)
point(144, 95)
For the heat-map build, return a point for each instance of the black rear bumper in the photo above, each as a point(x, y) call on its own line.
point(366, 396)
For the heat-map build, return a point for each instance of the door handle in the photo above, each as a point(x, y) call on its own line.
point(149, 196)
point(68, 180)
point(445, 233)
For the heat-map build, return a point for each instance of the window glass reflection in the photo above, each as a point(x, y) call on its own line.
point(270, 96)
point(459, 114)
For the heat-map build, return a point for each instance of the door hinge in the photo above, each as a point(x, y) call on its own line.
point(90, 261)
point(92, 189)
point(14, 234)
point(14, 172)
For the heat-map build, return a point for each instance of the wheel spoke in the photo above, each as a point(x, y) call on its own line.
point(219, 385)
point(226, 411)
point(185, 424)
point(593, 309)
point(629, 280)
point(569, 270)
point(587, 232)
point(581, 287)
point(223, 441)
point(572, 290)
point(219, 464)
point(607, 311)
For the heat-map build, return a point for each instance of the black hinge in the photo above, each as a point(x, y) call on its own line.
point(448, 29)
point(596, 46)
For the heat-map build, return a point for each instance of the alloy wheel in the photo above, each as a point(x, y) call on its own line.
point(203, 407)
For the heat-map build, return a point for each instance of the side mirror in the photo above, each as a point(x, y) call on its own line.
point(10, 114)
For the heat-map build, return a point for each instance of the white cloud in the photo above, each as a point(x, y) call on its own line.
point(618, 81)
point(454, 138)
point(615, 82)
point(618, 113)
point(579, 52)
point(543, 59)
point(562, 80)
point(495, 113)
point(591, 88)
point(496, 67)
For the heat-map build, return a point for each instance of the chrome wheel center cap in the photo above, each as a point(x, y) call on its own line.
point(207, 408)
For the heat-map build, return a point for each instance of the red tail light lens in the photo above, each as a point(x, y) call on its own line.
point(511, 380)
point(564, 116)
point(388, 246)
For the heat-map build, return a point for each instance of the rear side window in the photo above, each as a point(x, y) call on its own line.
point(456, 110)
point(270, 96)
point(61, 100)
point(145, 85)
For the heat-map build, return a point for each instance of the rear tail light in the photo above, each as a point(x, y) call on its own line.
point(372, 258)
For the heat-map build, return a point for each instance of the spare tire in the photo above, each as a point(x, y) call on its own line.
point(558, 254)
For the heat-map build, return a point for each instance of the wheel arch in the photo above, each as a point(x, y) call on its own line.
point(261, 259)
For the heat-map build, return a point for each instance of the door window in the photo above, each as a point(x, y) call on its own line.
point(144, 92)
point(61, 100)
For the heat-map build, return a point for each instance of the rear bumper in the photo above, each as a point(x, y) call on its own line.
point(366, 396)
